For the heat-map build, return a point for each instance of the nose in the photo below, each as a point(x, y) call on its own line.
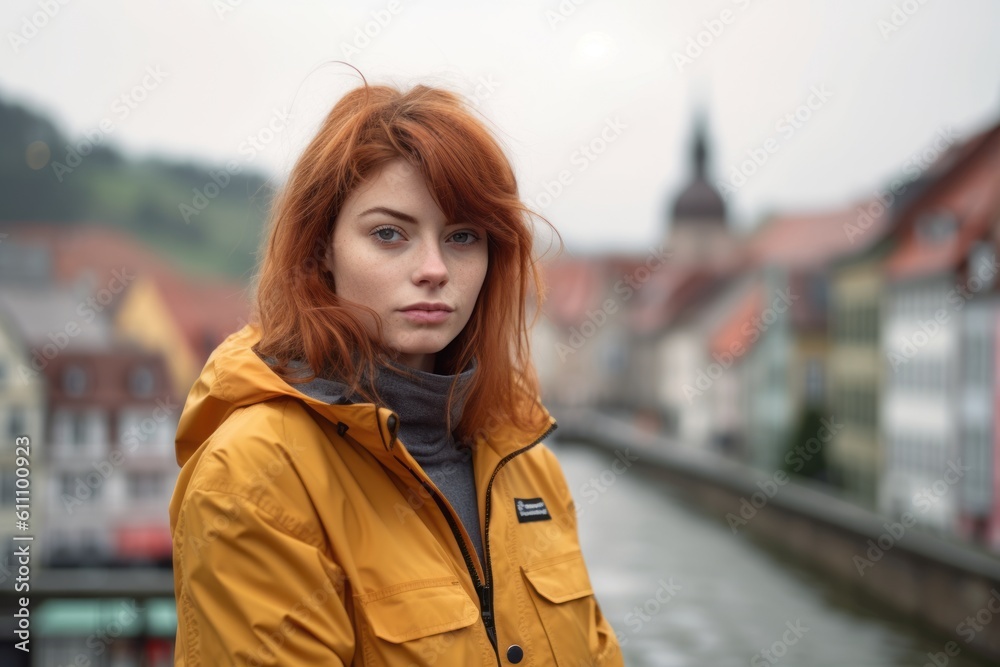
point(431, 269)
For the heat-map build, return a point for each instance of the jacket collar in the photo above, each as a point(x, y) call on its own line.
point(235, 376)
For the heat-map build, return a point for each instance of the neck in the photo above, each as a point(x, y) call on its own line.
point(421, 399)
point(419, 362)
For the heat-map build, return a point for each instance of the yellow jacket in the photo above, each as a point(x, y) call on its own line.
point(304, 533)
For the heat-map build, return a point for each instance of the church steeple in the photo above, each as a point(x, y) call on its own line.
point(699, 200)
point(699, 151)
point(698, 230)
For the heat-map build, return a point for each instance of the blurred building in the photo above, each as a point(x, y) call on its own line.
point(939, 339)
point(108, 420)
point(855, 358)
point(699, 233)
point(575, 347)
point(149, 300)
point(735, 342)
point(608, 318)
point(113, 419)
point(100, 341)
point(678, 302)
point(22, 407)
point(787, 331)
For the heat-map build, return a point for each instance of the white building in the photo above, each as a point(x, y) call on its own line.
point(938, 340)
point(22, 406)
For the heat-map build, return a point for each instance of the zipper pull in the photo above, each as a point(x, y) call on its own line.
point(486, 605)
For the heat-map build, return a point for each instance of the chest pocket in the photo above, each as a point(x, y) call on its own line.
point(432, 621)
point(560, 589)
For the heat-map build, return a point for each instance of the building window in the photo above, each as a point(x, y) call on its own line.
point(819, 294)
point(145, 485)
point(978, 361)
point(62, 427)
point(814, 380)
point(94, 425)
point(145, 430)
point(8, 485)
point(89, 542)
point(74, 380)
point(982, 256)
point(61, 545)
point(140, 381)
point(78, 429)
point(15, 422)
point(79, 488)
point(873, 315)
point(79, 432)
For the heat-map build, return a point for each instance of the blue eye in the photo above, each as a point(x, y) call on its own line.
point(469, 238)
point(384, 234)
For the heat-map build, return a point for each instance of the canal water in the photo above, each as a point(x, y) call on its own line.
point(681, 590)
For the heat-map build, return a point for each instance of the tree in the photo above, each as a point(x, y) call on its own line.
point(805, 454)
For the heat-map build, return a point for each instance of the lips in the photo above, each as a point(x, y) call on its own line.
point(428, 307)
point(427, 313)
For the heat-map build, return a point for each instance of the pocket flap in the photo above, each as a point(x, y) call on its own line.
point(562, 579)
point(419, 609)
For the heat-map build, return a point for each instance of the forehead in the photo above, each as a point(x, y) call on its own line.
point(397, 190)
point(396, 185)
point(395, 177)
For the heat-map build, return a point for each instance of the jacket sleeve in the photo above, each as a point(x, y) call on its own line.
point(607, 652)
point(250, 593)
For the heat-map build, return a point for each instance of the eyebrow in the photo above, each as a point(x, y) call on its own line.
point(399, 215)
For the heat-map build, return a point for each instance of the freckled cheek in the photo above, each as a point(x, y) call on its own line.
point(376, 284)
point(471, 276)
point(361, 278)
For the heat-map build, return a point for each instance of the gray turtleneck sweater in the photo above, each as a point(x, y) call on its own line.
point(420, 403)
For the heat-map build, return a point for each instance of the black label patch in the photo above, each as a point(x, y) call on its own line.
point(531, 509)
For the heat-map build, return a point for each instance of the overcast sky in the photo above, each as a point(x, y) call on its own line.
point(884, 78)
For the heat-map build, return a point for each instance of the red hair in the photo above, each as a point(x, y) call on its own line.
point(470, 178)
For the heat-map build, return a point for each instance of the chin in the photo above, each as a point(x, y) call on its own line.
point(423, 347)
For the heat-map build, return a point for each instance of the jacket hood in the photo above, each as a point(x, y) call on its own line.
point(235, 376)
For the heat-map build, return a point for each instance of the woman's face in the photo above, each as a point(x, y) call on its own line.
point(393, 250)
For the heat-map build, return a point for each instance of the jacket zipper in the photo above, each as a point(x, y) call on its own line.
point(485, 600)
point(485, 591)
point(488, 589)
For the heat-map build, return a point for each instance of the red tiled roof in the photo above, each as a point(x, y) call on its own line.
point(801, 240)
point(970, 193)
point(650, 299)
point(733, 336)
point(572, 286)
point(205, 310)
point(677, 292)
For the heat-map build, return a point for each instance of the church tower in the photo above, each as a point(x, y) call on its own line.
point(698, 230)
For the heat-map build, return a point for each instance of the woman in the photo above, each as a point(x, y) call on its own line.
point(363, 476)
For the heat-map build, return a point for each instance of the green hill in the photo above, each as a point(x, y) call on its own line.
point(44, 179)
